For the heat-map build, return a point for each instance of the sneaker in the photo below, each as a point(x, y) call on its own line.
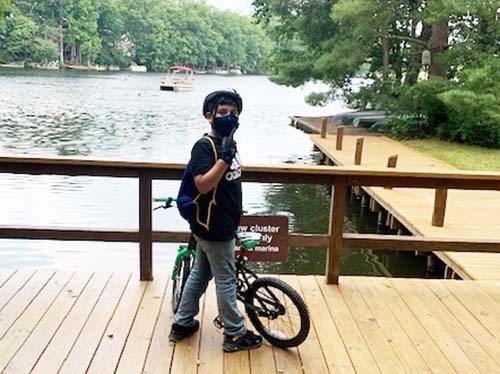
point(178, 332)
point(233, 343)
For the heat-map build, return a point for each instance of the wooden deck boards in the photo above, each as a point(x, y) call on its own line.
point(469, 214)
point(102, 322)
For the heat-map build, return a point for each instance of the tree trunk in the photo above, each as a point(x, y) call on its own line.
point(61, 45)
point(385, 51)
point(438, 44)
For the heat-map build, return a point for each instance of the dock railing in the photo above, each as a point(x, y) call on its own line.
point(339, 178)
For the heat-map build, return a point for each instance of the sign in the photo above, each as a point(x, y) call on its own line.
point(274, 243)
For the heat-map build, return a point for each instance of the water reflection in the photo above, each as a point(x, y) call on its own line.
point(308, 209)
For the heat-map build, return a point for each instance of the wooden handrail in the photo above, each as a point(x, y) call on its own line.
point(340, 177)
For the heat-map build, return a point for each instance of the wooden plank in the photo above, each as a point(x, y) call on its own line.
point(62, 233)
point(467, 319)
point(62, 342)
point(84, 348)
point(237, 362)
point(211, 354)
point(161, 350)
point(357, 349)
point(13, 285)
point(23, 299)
point(28, 354)
point(420, 243)
point(492, 288)
point(311, 353)
point(481, 360)
point(5, 276)
point(421, 340)
point(26, 323)
point(262, 359)
point(441, 337)
point(110, 348)
point(286, 360)
point(484, 308)
point(135, 351)
point(400, 343)
point(335, 353)
point(381, 350)
point(187, 351)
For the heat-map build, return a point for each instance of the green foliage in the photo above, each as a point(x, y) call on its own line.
point(157, 33)
point(383, 41)
point(474, 118)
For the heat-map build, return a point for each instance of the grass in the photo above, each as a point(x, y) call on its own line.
point(461, 156)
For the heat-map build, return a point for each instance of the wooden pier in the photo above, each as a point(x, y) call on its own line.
point(469, 215)
point(76, 322)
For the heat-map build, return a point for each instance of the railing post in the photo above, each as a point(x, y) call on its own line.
point(359, 151)
point(340, 138)
point(336, 230)
point(145, 226)
point(324, 123)
point(439, 207)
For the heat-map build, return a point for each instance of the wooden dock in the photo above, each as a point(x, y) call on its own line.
point(76, 322)
point(469, 214)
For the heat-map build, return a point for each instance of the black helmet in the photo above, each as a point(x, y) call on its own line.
point(222, 97)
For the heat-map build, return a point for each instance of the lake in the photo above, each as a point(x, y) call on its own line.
point(125, 116)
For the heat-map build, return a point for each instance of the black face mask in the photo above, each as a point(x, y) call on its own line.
point(225, 125)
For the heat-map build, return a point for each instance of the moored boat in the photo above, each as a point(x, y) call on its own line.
point(179, 78)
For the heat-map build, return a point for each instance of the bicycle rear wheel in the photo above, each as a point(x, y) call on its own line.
point(180, 281)
point(278, 312)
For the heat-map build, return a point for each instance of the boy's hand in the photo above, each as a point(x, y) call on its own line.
point(227, 150)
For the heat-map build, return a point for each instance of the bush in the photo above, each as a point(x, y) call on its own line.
point(473, 118)
point(407, 127)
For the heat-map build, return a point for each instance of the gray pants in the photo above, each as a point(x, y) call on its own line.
point(217, 259)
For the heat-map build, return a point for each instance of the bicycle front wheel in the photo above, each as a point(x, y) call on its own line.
point(179, 282)
point(278, 312)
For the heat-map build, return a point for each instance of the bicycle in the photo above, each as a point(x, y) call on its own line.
point(274, 308)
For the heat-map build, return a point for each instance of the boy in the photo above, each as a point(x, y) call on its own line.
point(216, 170)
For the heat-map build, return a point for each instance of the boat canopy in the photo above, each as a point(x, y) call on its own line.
point(180, 68)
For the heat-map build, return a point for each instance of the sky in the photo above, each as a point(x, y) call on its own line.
point(238, 6)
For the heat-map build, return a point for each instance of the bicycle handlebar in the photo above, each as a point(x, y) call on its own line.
point(167, 200)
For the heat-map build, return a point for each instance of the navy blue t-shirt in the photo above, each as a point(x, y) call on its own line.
point(219, 220)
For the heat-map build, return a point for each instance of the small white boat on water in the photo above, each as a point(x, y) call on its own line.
point(179, 78)
point(138, 68)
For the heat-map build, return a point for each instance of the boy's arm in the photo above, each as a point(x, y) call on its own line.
point(207, 182)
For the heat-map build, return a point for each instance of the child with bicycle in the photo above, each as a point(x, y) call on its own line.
point(214, 170)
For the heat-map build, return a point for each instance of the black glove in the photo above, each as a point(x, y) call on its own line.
point(227, 150)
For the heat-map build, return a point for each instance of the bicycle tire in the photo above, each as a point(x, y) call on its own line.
point(261, 288)
point(180, 281)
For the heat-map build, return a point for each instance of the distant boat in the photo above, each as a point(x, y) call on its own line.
point(13, 65)
point(179, 78)
point(138, 68)
point(113, 68)
point(235, 72)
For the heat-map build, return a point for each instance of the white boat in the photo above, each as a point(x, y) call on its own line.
point(138, 68)
point(179, 78)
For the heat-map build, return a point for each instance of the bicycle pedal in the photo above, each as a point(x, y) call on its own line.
point(218, 323)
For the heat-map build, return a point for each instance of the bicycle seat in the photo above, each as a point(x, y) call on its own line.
point(248, 240)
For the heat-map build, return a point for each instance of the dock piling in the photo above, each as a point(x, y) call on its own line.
point(440, 198)
point(324, 123)
point(340, 138)
point(359, 151)
point(391, 163)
